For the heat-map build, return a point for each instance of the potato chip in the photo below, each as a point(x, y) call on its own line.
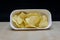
point(14, 18)
point(22, 25)
point(18, 25)
point(33, 14)
point(14, 23)
point(33, 20)
point(27, 25)
point(43, 22)
point(22, 15)
point(19, 20)
point(44, 18)
point(30, 26)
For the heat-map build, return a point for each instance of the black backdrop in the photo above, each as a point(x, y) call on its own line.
point(6, 7)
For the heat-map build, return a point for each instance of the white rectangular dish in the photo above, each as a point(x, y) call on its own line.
point(44, 11)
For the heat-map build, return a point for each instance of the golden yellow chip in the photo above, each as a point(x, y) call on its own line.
point(44, 18)
point(27, 25)
point(19, 20)
point(22, 25)
point(14, 23)
point(33, 14)
point(22, 15)
point(33, 20)
point(14, 18)
point(43, 22)
point(18, 25)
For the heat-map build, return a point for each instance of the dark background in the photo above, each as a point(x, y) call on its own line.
point(7, 6)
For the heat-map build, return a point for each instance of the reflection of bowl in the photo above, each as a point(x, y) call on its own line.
point(44, 11)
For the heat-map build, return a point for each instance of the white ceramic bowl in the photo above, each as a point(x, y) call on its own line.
point(44, 11)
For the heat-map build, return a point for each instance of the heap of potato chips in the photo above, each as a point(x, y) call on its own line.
point(30, 20)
